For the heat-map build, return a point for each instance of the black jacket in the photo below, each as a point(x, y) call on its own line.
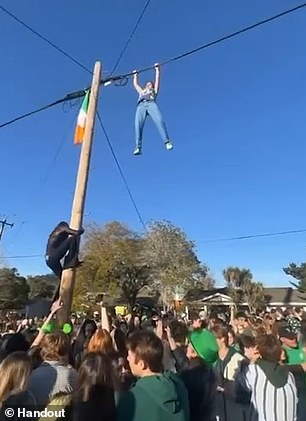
point(100, 406)
point(22, 401)
point(200, 381)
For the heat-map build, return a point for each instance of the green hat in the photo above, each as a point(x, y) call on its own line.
point(205, 345)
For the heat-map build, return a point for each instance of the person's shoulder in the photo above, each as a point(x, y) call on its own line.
point(236, 358)
point(23, 398)
point(128, 400)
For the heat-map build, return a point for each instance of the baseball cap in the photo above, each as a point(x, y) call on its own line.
point(286, 332)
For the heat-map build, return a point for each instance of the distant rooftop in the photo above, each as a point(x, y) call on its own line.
point(275, 296)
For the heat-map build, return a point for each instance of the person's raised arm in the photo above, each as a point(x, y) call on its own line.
point(157, 78)
point(71, 231)
point(55, 307)
point(135, 82)
point(104, 317)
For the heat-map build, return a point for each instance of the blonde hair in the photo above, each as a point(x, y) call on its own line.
point(15, 370)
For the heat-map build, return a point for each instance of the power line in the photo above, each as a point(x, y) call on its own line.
point(30, 256)
point(68, 97)
point(173, 59)
point(42, 37)
point(121, 54)
point(222, 39)
point(121, 173)
point(247, 237)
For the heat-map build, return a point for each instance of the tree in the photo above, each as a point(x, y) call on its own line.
point(42, 286)
point(119, 261)
point(299, 273)
point(236, 278)
point(173, 260)
point(14, 289)
point(113, 263)
point(254, 295)
point(203, 279)
point(242, 288)
point(131, 278)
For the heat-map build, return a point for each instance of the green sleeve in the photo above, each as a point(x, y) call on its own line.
point(135, 405)
point(126, 407)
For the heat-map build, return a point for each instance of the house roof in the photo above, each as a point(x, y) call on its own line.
point(275, 296)
point(201, 294)
point(285, 296)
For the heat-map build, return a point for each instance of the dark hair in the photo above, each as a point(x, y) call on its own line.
point(95, 372)
point(147, 347)
point(179, 331)
point(248, 341)
point(12, 343)
point(221, 332)
point(81, 339)
point(213, 315)
point(241, 315)
point(120, 341)
point(35, 355)
point(59, 228)
point(269, 348)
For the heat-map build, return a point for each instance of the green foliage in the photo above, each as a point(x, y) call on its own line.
point(254, 294)
point(299, 273)
point(242, 288)
point(235, 280)
point(120, 262)
point(14, 289)
point(112, 257)
point(131, 278)
point(173, 260)
point(42, 286)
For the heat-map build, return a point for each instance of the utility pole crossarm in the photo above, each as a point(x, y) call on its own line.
point(4, 224)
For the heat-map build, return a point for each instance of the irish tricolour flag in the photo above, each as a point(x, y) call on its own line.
point(81, 123)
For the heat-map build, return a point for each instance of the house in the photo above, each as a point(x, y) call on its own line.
point(275, 297)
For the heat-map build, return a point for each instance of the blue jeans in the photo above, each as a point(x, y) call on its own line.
point(149, 108)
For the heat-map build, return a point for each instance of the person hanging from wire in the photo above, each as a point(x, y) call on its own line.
point(147, 105)
point(63, 242)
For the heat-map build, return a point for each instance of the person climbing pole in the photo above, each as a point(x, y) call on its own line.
point(63, 242)
point(147, 105)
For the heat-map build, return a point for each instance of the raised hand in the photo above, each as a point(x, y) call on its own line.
point(58, 304)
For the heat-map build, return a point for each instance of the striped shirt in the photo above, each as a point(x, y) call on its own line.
point(270, 403)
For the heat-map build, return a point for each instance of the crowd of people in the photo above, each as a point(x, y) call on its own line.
point(158, 366)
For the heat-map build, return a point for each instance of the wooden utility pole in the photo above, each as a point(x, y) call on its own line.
point(76, 222)
point(4, 224)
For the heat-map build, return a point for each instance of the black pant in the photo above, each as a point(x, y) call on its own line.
point(53, 260)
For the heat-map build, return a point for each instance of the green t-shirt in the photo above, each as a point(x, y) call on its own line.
point(295, 355)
